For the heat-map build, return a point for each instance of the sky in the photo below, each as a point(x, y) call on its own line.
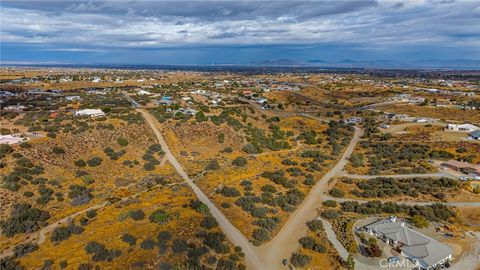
point(236, 32)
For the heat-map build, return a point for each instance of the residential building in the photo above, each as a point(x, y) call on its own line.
point(475, 135)
point(469, 169)
point(90, 112)
point(9, 139)
point(72, 98)
point(353, 120)
point(462, 127)
point(425, 252)
point(143, 92)
point(17, 108)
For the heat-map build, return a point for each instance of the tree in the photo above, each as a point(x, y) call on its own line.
point(356, 159)
point(209, 222)
point(420, 222)
point(251, 149)
point(260, 235)
point(330, 214)
point(159, 217)
point(315, 225)
point(130, 239)
point(122, 141)
point(80, 163)
point(136, 214)
point(147, 244)
point(94, 162)
point(330, 203)
point(337, 193)
point(58, 150)
point(350, 263)
point(221, 138)
point(213, 165)
point(179, 246)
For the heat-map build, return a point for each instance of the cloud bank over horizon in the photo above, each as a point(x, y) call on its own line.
point(200, 32)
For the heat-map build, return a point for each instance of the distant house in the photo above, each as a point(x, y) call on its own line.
point(475, 135)
point(463, 167)
point(90, 112)
point(165, 100)
point(143, 92)
point(96, 79)
point(72, 98)
point(423, 120)
point(186, 111)
point(462, 127)
point(247, 93)
point(17, 108)
point(9, 139)
point(199, 92)
point(425, 252)
point(261, 100)
point(353, 120)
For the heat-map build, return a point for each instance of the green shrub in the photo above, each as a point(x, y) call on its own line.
point(337, 193)
point(122, 141)
point(209, 222)
point(159, 217)
point(94, 162)
point(58, 150)
point(213, 165)
point(239, 162)
point(299, 260)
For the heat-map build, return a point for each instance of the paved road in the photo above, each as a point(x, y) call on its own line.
point(286, 241)
point(234, 235)
point(424, 175)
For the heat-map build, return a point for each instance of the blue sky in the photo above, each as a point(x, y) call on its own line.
point(238, 32)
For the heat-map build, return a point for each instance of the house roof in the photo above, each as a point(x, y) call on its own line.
point(464, 126)
point(426, 250)
point(462, 165)
point(475, 134)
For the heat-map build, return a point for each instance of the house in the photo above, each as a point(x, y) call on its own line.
point(475, 135)
point(199, 92)
point(96, 79)
point(90, 112)
point(166, 100)
point(9, 139)
point(423, 120)
point(143, 92)
point(261, 100)
point(353, 120)
point(186, 111)
point(425, 252)
point(462, 127)
point(247, 93)
point(17, 108)
point(463, 167)
point(72, 98)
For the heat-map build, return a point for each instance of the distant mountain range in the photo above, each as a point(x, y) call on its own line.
point(383, 64)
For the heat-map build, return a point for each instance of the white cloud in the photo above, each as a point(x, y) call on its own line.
point(118, 24)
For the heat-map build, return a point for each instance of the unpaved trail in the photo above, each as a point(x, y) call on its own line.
point(424, 203)
point(234, 235)
point(286, 241)
point(399, 176)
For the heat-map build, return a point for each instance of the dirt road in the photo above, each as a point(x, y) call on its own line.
point(399, 176)
point(459, 204)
